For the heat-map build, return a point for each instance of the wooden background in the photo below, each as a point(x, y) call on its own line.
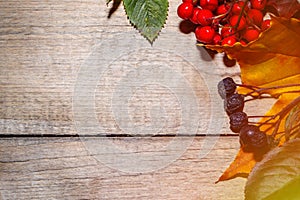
point(45, 48)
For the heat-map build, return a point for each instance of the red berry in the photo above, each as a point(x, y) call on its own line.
point(227, 31)
point(255, 17)
point(238, 6)
point(222, 9)
point(205, 34)
point(231, 40)
point(258, 4)
point(204, 17)
point(217, 39)
point(265, 24)
point(237, 23)
point(209, 4)
point(194, 17)
point(194, 2)
point(185, 10)
point(251, 34)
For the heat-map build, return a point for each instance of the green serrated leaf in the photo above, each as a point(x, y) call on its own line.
point(277, 175)
point(148, 16)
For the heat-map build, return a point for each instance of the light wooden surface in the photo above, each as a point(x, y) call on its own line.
point(46, 44)
point(60, 168)
point(167, 89)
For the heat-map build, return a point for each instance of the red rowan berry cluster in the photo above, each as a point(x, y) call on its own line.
point(221, 22)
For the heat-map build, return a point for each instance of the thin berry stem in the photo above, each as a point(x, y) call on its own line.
point(280, 116)
point(260, 116)
point(252, 23)
point(259, 97)
point(291, 130)
point(263, 90)
point(289, 107)
point(268, 123)
point(258, 93)
point(294, 130)
point(241, 14)
point(280, 86)
point(248, 86)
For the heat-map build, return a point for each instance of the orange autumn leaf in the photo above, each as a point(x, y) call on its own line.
point(273, 60)
point(243, 162)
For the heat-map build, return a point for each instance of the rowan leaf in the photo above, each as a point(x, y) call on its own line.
point(272, 61)
point(285, 8)
point(148, 16)
point(277, 176)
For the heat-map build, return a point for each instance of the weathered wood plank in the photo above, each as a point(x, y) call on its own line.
point(61, 168)
point(44, 45)
point(40, 60)
point(69, 13)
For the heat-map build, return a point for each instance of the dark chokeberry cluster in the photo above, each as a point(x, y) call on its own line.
point(225, 22)
point(251, 138)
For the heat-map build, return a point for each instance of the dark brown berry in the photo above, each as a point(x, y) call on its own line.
point(252, 139)
point(234, 103)
point(237, 121)
point(226, 87)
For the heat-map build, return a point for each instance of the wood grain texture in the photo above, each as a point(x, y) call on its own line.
point(61, 168)
point(45, 44)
